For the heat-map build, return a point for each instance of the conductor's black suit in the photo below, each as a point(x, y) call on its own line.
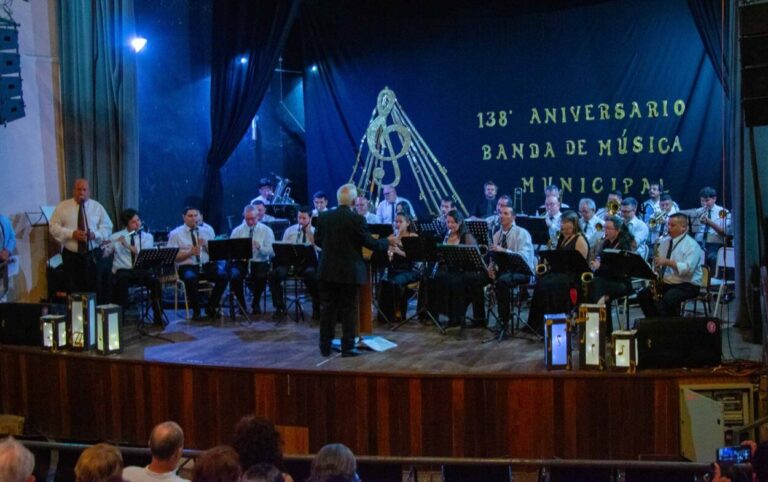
point(341, 234)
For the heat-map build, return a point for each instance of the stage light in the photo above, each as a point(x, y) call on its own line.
point(138, 44)
point(313, 68)
point(109, 319)
point(53, 331)
point(243, 60)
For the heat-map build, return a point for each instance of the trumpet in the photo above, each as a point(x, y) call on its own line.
point(612, 207)
point(657, 219)
point(542, 269)
point(723, 213)
point(586, 278)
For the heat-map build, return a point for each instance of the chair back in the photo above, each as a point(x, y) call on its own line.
point(725, 260)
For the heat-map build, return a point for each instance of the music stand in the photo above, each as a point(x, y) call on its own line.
point(625, 264)
point(565, 261)
point(382, 230)
point(154, 259)
point(421, 249)
point(509, 263)
point(430, 228)
point(536, 226)
point(462, 258)
point(297, 258)
point(282, 211)
point(479, 229)
point(229, 250)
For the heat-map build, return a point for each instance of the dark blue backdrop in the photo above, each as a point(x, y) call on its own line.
point(451, 68)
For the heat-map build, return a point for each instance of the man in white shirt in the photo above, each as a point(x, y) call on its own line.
point(193, 262)
point(588, 222)
point(166, 443)
point(362, 208)
point(510, 239)
point(320, 201)
point(636, 226)
point(678, 263)
point(614, 198)
point(552, 217)
point(387, 209)
point(553, 190)
point(301, 233)
point(715, 226)
point(81, 224)
point(126, 245)
point(266, 192)
point(261, 237)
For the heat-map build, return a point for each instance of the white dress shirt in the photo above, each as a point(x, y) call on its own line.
point(688, 255)
point(262, 234)
point(639, 231)
point(64, 222)
point(122, 259)
point(590, 230)
point(519, 242)
point(371, 218)
point(553, 225)
point(181, 238)
point(712, 235)
point(384, 210)
point(293, 233)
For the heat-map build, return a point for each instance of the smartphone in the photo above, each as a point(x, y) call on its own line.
point(737, 454)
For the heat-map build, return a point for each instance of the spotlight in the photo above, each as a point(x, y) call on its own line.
point(138, 44)
point(313, 68)
point(243, 60)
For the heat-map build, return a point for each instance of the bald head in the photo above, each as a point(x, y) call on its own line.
point(166, 441)
point(16, 462)
point(346, 195)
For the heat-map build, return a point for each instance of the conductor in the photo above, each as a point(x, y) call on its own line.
point(342, 233)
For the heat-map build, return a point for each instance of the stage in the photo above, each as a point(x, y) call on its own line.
point(432, 395)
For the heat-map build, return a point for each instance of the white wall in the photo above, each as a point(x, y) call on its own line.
point(30, 148)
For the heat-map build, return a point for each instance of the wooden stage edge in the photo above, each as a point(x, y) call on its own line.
point(587, 415)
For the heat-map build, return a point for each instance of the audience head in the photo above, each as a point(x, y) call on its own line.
point(262, 473)
point(99, 463)
point(257, 441)
point(16, 462)
point(219, 464)
point(334, 462)
point(166, 441)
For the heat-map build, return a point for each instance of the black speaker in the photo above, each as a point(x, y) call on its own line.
point(753, 43)
point(678, 342)
point(20, 322)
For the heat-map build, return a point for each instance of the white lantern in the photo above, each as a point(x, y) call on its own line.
point(81, 321)
point(53, 332)
point(109, 319)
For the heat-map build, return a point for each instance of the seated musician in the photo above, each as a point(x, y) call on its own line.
point(126, 245)
point(590, 225)
point(302, 233)
point(678, 263)
point(261, 237)
point(193, 263)
point(651, 206)
point(493, 221)
point(635, 225)
point(446, 206)
point(451, 288)
point(552, 190)
point(614, 200)
point(553, 217)
point(362, 207)
point(714, 227)
point(510, 238)
point(552, 291)
point(607, 284)
point(403, 207)
point(400, 273)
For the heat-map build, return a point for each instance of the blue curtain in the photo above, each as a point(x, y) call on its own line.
point(708, 15)
point(98, 95)
point(248, 37)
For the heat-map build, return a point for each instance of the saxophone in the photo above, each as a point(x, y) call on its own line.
point(657, 284)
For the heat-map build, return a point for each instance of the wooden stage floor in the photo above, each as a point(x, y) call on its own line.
point(421, 348)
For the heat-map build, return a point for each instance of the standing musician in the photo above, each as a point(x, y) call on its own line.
point(607, 284)
point(486, 206)
point(126, 245)
point(510, 238)
point(400, 273)
point(193, 262)
point(551, 294)
point(590, 225)
point(715, 226)
point(452, 288)
point(81, 224)
point(302, 233)
point(635, 225)
point(678, 263)
point(261, 237)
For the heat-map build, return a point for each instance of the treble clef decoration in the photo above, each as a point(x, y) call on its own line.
point(390, 137)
